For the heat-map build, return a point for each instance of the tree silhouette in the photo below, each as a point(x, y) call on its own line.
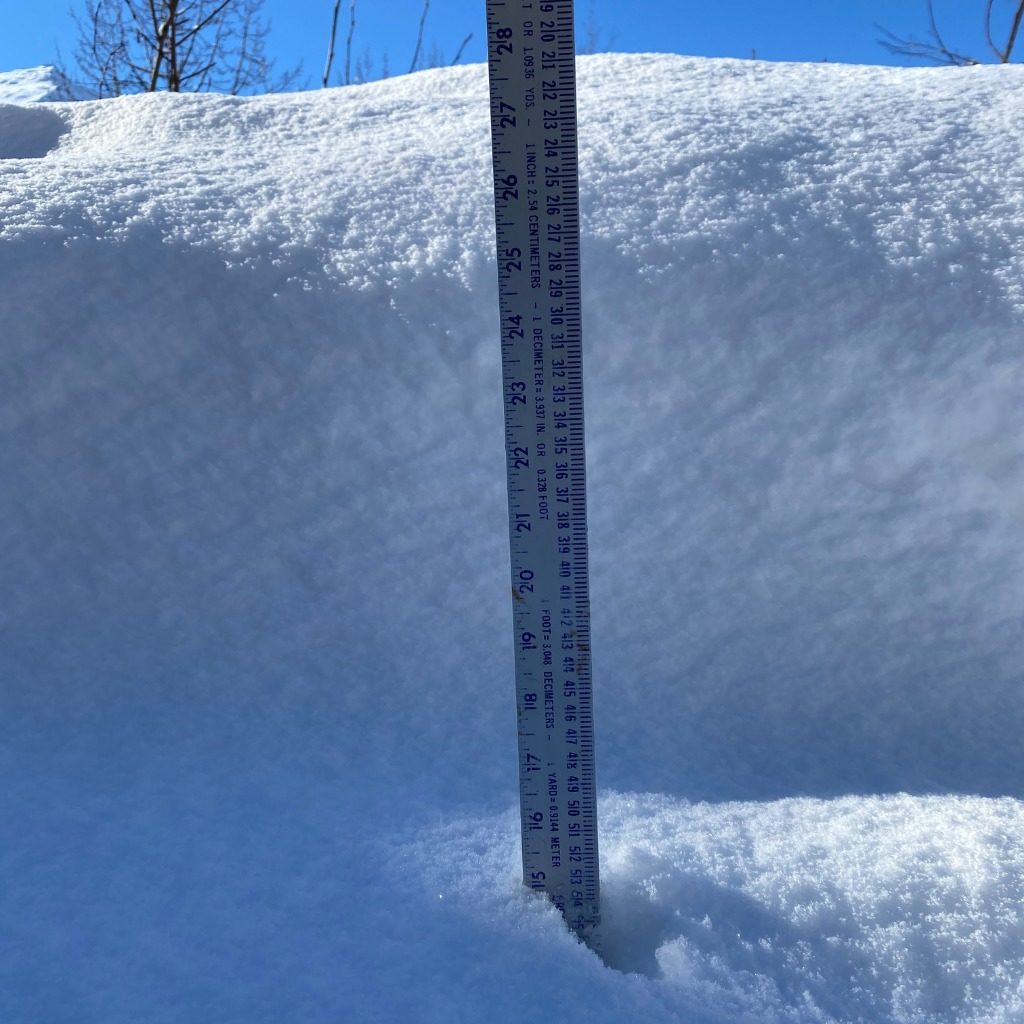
point(934, 49)
point(127, 46)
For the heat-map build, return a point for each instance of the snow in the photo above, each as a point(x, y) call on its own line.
point(857, 909)
point(29, 85)
point(257, 711)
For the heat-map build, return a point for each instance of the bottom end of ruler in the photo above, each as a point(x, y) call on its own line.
point(591, 938)
point(584, 923)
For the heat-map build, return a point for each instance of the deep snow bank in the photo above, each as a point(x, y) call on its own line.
point(253, 616)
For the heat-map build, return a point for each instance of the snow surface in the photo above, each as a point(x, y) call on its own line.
point(257, 712)
point(29, 85)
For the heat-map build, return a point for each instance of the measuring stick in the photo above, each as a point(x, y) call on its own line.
point(531, 60)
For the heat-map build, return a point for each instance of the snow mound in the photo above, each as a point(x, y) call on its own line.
point(803, 316)
point(873, 910)
point(254, 606)
point(29, 85)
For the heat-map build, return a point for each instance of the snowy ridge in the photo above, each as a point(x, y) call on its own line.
point(29, 85)
point(255, 685)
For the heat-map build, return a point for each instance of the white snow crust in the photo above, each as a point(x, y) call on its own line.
point(256, 705)
point(29, 85)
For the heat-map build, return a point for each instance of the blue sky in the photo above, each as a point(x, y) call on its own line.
point(803, 30)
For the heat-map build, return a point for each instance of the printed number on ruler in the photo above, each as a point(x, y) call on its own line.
point(531, 59)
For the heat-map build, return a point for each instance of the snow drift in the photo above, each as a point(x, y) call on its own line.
point(256, 693)
point(30, 85)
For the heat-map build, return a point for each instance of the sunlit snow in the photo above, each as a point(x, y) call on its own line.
point(29, 85)
point(257, 729)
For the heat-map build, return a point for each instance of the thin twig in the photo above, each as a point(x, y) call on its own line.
point(348, 41)
point(419, 36)
point(330, 43)
point(937, 52)
point(1015, 28)
point(458, 52)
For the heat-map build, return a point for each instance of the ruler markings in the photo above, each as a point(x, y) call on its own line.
point(531, 58)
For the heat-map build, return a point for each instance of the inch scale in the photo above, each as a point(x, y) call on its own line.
point(531, 61)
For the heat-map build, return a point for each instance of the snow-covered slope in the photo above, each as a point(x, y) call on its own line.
point(258, 728)
point(29, 85)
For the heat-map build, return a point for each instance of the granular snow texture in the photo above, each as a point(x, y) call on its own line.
point(256, 706)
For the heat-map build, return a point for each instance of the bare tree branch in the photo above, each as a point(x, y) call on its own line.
point(935, 50)
point(462, 46)
point(145, 45)
point(348, 41)
point(988, 30)
point(1004, 55)
point(160, 30)
point(419, 36)
point(330, 43)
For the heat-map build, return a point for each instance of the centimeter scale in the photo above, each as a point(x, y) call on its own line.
point(531, 60)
